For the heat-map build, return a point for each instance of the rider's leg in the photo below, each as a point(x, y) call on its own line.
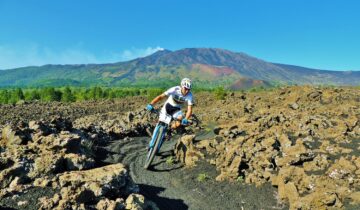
point(176, 123)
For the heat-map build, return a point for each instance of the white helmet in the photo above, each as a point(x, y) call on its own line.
point(186, 83)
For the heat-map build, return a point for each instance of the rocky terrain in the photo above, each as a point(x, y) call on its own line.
point(293, 147)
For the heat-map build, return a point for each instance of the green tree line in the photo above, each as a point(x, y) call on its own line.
point(72, 94)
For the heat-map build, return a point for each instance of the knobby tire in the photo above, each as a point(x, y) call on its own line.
point(154, 149)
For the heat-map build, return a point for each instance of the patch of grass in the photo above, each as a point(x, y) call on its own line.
point(170, 160)
point(203, 177)
point(240, 179)
point(153, 92)
point(220, 93)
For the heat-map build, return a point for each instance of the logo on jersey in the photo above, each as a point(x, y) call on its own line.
point(179, 99)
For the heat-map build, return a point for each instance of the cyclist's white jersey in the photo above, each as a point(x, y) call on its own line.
point(177, 99)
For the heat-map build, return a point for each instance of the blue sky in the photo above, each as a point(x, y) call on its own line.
point(323, 34)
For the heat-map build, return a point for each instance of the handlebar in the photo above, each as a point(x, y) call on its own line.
point(194, 119)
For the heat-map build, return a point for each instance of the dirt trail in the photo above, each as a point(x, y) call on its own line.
point(172, 186)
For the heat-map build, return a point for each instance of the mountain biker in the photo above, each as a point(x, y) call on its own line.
point(177, 97)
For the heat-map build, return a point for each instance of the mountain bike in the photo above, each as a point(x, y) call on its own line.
point(159, 134)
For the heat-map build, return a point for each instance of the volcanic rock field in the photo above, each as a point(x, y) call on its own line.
point(293, 147)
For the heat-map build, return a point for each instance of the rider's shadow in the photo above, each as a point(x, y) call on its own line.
point(152, 192)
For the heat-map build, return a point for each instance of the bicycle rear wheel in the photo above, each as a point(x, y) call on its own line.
point(153, 150)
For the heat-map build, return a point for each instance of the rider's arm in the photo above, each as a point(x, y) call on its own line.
point(157, 99)
point(189, 112)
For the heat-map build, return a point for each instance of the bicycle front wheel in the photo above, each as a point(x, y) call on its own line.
point(153, 150)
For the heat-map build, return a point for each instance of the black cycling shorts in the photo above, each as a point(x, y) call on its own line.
point(171, 109)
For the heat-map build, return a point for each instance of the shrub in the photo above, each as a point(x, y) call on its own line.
point(220, 93)
point(4, 96)
point(16, 95)
point(32, 95)
point(153, 92)
point(170, 160)
point(202, 177)
point(50, 94)
point(240, 179)
point(95, 93)
point(67, 95)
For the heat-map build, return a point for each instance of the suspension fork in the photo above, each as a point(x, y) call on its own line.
point(156, 133)
point(163, 135)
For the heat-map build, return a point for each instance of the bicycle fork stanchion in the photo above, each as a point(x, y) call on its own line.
point(155, 144)
point(162, 137)
point(153, 138)
point(155, 135)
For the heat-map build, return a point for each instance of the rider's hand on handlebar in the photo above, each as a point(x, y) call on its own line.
point(149, 107)
point(184, 121)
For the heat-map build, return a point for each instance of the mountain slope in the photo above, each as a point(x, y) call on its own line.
point(316, 76)
point(209, 67)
